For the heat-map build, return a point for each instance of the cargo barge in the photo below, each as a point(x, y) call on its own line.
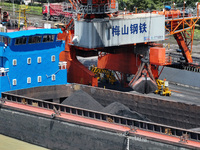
point(39, 118)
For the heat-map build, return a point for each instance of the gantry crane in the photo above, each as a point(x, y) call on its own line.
point(127, 44)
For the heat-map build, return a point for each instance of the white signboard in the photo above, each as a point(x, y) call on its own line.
point(120, 31)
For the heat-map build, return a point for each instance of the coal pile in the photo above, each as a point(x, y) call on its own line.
point(119, 109)
point(83, 100)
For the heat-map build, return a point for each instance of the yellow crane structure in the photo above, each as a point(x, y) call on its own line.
point(103, 74)
point(22, 14)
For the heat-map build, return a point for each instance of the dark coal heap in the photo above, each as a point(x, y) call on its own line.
point(119, 109)
point(83, 100)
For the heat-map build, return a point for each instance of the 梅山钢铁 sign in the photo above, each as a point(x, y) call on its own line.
point(137, 28)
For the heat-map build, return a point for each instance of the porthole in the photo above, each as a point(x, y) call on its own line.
point(29, 80)
point(14, 62)
point(39, 60)
point(29, 61)
point(53, 77)
point(14, 81)
point(39, 79)
point(53, 58)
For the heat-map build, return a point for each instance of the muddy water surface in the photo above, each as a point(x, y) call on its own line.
point(7, 143)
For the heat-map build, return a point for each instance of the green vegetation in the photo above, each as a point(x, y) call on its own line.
point(197, 33)
point(35, 10)
point(153, 4)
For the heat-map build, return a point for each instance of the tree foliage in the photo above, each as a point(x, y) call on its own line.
point(153, 4)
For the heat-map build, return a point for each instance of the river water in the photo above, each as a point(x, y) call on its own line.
point(7, 143)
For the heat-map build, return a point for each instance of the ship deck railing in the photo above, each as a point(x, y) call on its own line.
point(132, 123)
point(3, 71)
point(62, 65)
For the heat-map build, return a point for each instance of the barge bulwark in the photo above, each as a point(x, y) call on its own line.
point(118, 129)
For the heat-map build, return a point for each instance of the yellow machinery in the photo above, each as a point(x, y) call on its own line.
point(163, 88)
point(103, 74)
point(22, 9)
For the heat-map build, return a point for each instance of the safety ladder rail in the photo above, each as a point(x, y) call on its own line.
point(133, 123)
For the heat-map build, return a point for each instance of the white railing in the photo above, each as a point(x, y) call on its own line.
point(62, 65)
point(91, 9)
point(3, 71)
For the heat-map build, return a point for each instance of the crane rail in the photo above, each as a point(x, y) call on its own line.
point(133, 123)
